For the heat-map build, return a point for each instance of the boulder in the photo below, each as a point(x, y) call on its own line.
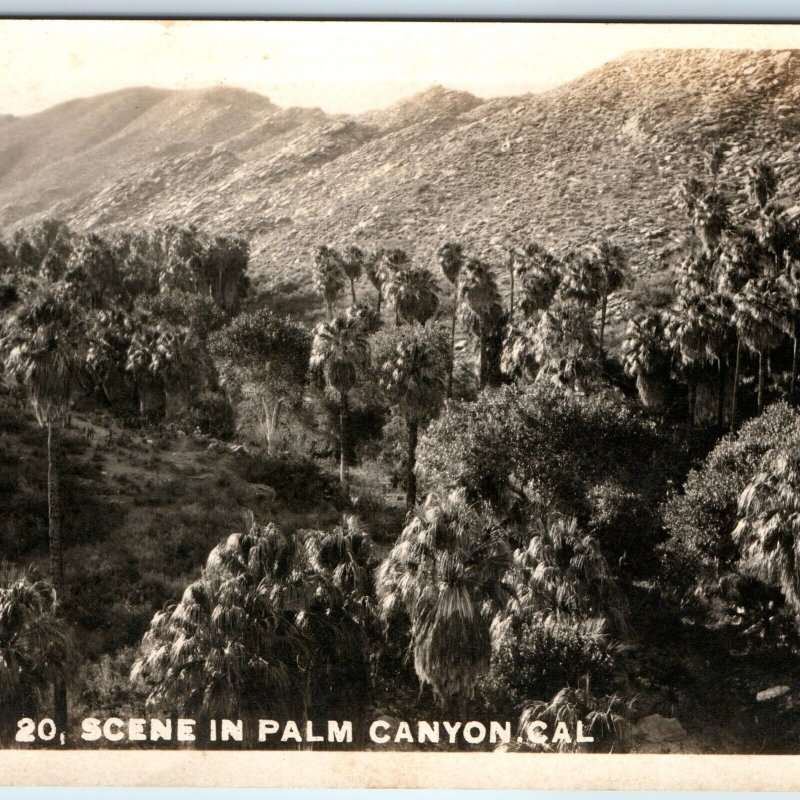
point(657, 734)
point(772, 693)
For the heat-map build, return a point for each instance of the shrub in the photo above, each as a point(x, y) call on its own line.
point(700, 519)
point(538, 661)
point(564, 453)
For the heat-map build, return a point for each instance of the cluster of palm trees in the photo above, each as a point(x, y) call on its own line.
point(546, 332)
point(116, 317)
point(737, 291)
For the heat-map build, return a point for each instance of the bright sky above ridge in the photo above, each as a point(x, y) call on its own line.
point(338, 66)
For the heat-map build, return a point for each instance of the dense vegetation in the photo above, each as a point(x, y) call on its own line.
point(575, 497)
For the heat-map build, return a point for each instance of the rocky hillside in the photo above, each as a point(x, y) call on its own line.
point(600, 155)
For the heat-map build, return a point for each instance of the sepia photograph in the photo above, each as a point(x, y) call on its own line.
point(399, 388)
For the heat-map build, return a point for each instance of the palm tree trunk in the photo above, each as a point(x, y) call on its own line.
point(378, 305)
point(511, 300)
point(411, 462)
point(762, 379)
point(56, 557)
point(691, 399)
point(723, 374)
point(736, 381)
point(603, 310)
point(794, 369)
point(54, 509)
point(342, 441)
point(329, 307)
point(451, 365)
point(482, 361)
point(353, 290)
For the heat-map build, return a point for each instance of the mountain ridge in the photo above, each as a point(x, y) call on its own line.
point(600, 155)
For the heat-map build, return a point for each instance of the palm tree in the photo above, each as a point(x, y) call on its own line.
point(711, 218)
point(612, 267)
point(479, 307)
point(761, 184)
point(444, 574)
point(37, 651)
point(451, 261)
point(582, 282)
point(353, 265)
point(645, 356)
point(562, 577)
point(231, 647)
point(381, 265)
point(414, 378)
point(565, 347)
point(341, 353)
point(741, 259)
point(44, 353)
point(762, 316)
point(768, 529)
point(328, 276)
point(538, 275)
point(412, 290)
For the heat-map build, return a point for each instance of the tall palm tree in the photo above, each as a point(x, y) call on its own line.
point(451, 261)
point(340, 351)
point(381, 265)
point(768, 528)
point(612, 268)
point(741, 259)
point(479, 307)
point(44, 352)
point(538, 278)
point(762, 316)
point(645, 356)
point(328, 275)
point(353, 265)
point(412, 291)
point(414, 378)
point(37, 650)
point(762, 184)
point(444, 574)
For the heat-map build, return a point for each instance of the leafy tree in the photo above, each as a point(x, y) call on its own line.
point(542, 445)
point(768, 532)
point(353, 266)
point(268, 352)
point(444, 575)
point(414, 378)
point(412, 291)
point(340, 352)
point(451, 262)
point(328, 275)
point(37, 651)
point(480, 308)
point(700, 550)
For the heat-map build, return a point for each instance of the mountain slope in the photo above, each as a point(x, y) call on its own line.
point(600, 155)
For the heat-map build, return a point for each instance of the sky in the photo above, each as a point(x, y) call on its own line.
point(338, 66)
